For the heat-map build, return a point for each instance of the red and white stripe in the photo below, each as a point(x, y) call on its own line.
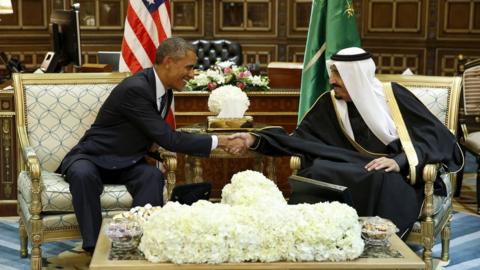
point(145, 28)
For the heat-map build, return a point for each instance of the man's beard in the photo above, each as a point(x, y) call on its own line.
point(337, 97)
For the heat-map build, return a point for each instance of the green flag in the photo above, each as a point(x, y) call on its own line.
point(332, 28)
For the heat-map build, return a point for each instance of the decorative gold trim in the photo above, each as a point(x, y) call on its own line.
point(402, 131)
point(352, 142)
point(7, 166)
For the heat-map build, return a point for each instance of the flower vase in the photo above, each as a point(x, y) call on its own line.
point(215, 123)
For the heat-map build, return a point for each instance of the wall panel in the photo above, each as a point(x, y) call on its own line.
point(269, 30)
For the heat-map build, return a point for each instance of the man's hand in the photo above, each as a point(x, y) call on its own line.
point(390, 165)
point(231, 145)
point(248, 138)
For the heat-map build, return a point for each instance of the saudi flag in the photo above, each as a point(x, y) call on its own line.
point(332, 28)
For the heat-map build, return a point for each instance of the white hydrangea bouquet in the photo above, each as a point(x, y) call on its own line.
point(227, 73)
point(253, 223)
point(228, 102)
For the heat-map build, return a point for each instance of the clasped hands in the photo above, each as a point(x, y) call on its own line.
point(237, 143)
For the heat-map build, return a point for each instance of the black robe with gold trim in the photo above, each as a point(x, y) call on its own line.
point(328, 154)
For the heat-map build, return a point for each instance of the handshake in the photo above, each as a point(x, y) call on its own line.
point(237, 143)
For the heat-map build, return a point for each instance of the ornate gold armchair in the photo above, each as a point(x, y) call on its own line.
point(53, 111)
point(441, 95)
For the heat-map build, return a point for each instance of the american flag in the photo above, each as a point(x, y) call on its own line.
point(147, 24)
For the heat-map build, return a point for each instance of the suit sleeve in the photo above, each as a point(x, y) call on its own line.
point(141, 112)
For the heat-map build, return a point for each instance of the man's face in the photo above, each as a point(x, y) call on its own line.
point(180, 70)
point(338, 85)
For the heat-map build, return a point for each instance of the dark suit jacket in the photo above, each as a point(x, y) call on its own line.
point(126, 126)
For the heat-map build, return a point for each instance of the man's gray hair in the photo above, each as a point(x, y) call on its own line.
point(174, 47)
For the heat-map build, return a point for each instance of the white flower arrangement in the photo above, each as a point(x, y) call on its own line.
point(228, 95)
point(227, 73)
point(240, 191)
point(245, 227)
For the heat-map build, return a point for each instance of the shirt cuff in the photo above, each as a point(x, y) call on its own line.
point(214, 142)
point(256, 143)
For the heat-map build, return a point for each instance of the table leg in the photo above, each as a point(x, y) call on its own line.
point(258, 164)
point(187, 169)
point(197, 170)
point(271, 170)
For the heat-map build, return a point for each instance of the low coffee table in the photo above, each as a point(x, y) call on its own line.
point(397, 256)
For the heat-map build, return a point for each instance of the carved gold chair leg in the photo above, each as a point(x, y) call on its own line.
point(22, 233)
point(446, 239)
point(427, 228)
point(36, 258)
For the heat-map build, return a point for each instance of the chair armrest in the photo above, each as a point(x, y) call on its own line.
point(33, 167)
point(429, 175)
point(295, 164)
point(170, 160)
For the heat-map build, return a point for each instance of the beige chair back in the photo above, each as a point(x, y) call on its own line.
point(53, 111)
point(439, 94)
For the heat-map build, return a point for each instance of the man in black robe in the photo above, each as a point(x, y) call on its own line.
point(352, 136)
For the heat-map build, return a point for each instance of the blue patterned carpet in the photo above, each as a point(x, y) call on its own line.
point(10, 247)
point(465, 243)
point(464, 248)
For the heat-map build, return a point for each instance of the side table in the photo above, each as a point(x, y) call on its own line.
point(397, 256)
point(193, 165)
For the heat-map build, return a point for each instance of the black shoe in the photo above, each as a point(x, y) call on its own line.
point(190, 193)
point(89, 250)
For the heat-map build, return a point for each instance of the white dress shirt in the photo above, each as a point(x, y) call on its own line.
point(160, 91)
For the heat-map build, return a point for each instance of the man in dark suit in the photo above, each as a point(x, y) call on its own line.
point(130, 121)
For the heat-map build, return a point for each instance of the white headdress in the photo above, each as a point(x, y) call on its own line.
point(357, 71)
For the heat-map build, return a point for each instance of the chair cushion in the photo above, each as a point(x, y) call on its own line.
point(472, 142)
point(56, 195)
